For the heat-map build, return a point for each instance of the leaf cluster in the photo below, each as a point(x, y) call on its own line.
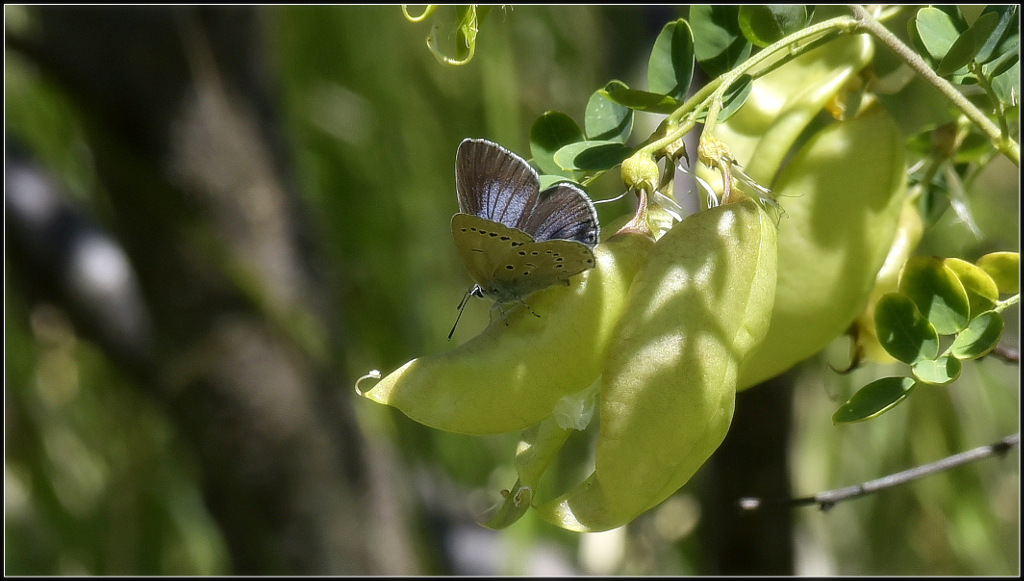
point(939, 301)
point(716, 38)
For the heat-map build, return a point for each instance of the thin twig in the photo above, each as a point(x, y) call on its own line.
point(1004, 143)
point(826, 500)
point(1006, 353)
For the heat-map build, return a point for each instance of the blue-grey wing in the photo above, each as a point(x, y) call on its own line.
point(494, 183)
point(563, 212)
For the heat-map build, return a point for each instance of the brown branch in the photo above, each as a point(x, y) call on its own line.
point(828, 499)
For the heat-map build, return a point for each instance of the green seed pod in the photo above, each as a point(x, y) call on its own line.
point(512, 374)
point(783, 102)
point(697, 306)
point(842, 193)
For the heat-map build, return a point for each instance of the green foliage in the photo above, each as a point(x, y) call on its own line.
point(550, 132)
point(670, 67)
point(719, 43)
point(984, 52)
point(937, 292)
point(937, 297)
point(874, 399)
point(903, 332)
point(979, 338)
point(1004, 268)
point(465, 21)
point(373, 123)
point(763, 25)
point(607, 120)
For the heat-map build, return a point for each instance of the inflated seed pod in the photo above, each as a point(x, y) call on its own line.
point(697, 306)
point(841, 201)
point(784, 101)
point(512, 374)
point(842, 193)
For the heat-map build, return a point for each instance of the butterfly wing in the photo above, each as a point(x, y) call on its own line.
point(563, 212)
point(537, 265)
point(494, 183)
point(480, 242)
point(508, 264)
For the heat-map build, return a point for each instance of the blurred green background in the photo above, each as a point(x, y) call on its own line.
point(98, 481)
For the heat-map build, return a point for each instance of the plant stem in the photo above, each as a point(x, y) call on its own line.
point(789, 47)
point(1004, 143)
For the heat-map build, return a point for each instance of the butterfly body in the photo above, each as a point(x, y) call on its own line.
point(514, 238)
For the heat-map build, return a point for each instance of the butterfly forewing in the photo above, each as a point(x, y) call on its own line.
point(494, 183)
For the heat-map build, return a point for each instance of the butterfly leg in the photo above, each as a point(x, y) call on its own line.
point(505, 311)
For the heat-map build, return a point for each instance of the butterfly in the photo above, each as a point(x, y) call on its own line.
point(514, 238)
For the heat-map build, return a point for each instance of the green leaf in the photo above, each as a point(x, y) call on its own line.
point(719, 44)
point(874, 399)
point(1008, 25)
point(592, 155)
point(618, 92)
point(938, 371)
point(982, 293)
point(938, 293)
point(670, 67)
point(735, 97)
point(1007, 55)
point(468, 18)
point(980, 337)
point(548, 180)
point(551, 132)
point(937, 31)
point(968, 44)
point(1004, 268)
point(902, 331)
point(763, 24)
point(607, 120)
point(1007, 85)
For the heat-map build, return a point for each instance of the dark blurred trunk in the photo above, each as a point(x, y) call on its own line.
point(223, 315)
point(751, 462)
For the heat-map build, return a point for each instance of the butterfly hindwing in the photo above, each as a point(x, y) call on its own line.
point(508, 264)
point(537, 265)
point(563, 212)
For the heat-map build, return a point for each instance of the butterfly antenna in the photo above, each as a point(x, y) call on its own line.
point(618, 197)
point(462, 307)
